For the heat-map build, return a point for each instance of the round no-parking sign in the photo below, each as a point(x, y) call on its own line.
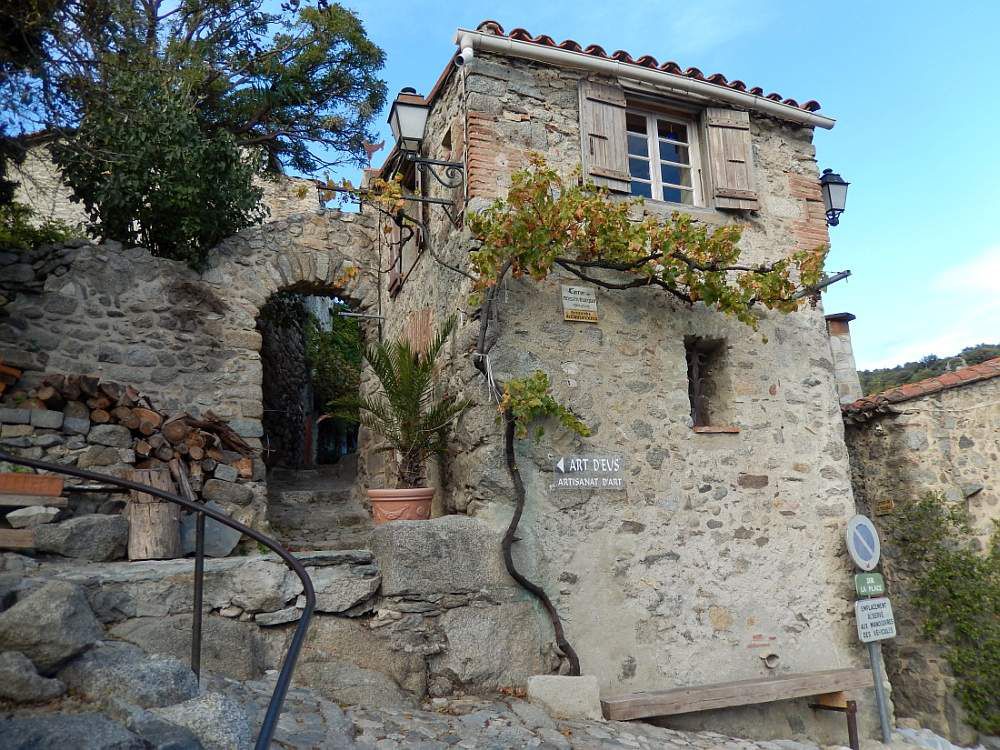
point(862, 542)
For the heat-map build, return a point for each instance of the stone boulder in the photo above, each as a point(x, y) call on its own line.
point(567, 697)
point(85, 731)
point(161, 734)
point(20, 683)
point(36, 515)
point(228, 647)
point(218, 721)
point(341, 587)
point(349, 685)
point(220, 540)
point(451, 554)
point(110, 435)
point(95, 537)
point(49, 625)
point(227, 492)
point(112, 673)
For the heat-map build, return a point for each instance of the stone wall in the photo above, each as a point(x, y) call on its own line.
point(844, 367)
point(947, 443)
point(723, 548)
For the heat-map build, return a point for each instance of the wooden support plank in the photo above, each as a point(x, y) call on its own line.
point(730, 694)
point(17, 539)
point(833, 700)
point(23, 501)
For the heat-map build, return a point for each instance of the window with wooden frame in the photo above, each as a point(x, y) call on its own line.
point(664, 157)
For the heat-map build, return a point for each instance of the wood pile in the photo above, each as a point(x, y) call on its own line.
point(157, 437)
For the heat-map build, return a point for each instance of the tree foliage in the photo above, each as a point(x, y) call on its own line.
point(334, 358)
point(19, 232)
point(957, 588)
point(410, 410)
point(882, 379)
point(151, 176)
point(299, 82)
point(548, 221)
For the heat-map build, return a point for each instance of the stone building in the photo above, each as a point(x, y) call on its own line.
point(937, 435)
point(720, 556)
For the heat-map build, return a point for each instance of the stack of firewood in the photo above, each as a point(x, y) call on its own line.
point(157, 437)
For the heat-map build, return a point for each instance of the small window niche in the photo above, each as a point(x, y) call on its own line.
point(709, 386)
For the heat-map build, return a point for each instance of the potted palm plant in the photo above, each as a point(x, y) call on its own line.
point(412, 413)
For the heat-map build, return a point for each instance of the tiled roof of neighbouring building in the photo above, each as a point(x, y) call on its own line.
point(645, 61)
point(864, 408)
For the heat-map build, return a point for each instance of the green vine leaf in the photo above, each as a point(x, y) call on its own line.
point(530, 399)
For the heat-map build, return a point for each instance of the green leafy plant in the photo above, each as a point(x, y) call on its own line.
point(17, 232)
point(334, 358)
point(148, 175)
point(409, 410)
point(530, 399)
point(957, 588)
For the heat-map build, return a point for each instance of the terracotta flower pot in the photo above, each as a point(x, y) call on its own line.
point(401, 505)
point(22, 483)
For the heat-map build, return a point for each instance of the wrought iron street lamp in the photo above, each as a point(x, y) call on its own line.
point(408, 120)
point(834, 189)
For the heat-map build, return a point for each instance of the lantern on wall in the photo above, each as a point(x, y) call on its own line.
point(834, 189)
point(408, 120)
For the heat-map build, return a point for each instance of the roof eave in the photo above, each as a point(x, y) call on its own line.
point(478, 40)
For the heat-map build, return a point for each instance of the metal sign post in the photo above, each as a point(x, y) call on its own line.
point(873, 615)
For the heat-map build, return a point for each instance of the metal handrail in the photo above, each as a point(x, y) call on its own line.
point(288, 666)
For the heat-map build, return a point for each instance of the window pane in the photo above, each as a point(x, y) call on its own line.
point(673, 152)
point(638, 145)
point(635, 123)
point(675, 131)
point(642, 188)
point(638, 168)
point(676, 195)
point(676, 175)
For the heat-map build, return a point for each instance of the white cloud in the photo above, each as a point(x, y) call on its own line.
point(959, 308)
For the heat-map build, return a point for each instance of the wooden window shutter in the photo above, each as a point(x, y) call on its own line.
point(602, 133)
point(730, 154)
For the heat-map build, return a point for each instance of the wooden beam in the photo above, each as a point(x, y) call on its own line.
point(731, 694)
point(17, 539)
point(23, 501)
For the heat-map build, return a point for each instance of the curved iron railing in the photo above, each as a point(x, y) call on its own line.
point(288, 666)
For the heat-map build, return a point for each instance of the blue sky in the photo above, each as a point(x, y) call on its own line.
point(915, 87)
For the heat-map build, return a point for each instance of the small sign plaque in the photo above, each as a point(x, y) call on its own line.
point(875, 620)
point(869, 584)
point(591, 472)
point(579, 303)
point(885, 506)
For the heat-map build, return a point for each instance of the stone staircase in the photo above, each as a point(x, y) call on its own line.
point(315, 509)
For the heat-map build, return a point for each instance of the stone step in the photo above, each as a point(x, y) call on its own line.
point(310, 497)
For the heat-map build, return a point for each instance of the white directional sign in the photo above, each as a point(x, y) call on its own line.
point(862, 542)
point(579, 303)
point(875, 621)
point(592, 472)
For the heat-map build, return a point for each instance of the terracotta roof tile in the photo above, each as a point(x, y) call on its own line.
point(646, 61)
point(975, 373)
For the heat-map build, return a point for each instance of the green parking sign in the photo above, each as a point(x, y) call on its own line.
point(869, 584)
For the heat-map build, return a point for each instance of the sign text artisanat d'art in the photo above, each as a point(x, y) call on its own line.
point(579, 303)
point(592, 472)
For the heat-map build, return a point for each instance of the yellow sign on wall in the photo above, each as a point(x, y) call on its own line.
point(579, 303)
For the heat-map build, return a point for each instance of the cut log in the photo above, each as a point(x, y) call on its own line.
point(212, 423)
point(129, 396)
point(56, 380)
point(51, 396)
point(146, 428)
point(148, 415)
point(112, 390)
point(164, 452)
point(99, 416)
point(195, 437)
point(89, 385)
point(125, 416)
point(99, 402)
point(244, 466)
point(71, 388)
point(196, 452)
point(142, 448)
point(175, 429)
point(154, 525)
point(157, 441)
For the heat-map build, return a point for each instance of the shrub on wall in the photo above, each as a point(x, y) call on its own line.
point(17, 232)
point(957, 588)
point(149, 175)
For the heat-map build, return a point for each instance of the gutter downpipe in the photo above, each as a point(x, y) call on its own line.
point(472, 40)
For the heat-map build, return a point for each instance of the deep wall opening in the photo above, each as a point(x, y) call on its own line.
point(311, 358)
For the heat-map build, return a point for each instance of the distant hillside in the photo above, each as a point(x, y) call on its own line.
point(875, 381)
